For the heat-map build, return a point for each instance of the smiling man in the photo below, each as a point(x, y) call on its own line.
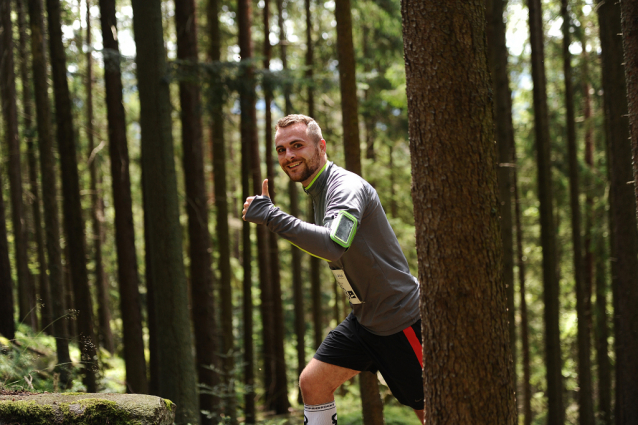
point(383, 331)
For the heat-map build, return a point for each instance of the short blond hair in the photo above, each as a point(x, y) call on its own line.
point(313, 129)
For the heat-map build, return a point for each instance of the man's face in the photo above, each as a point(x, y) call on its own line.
point(299, 156)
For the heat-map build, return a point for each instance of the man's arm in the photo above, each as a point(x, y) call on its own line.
point(310, 238)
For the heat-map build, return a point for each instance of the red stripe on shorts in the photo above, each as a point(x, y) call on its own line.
point(414, 342)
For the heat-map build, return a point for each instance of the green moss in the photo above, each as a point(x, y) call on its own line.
point(26, 412)
point(169, 404)
point(82, 412)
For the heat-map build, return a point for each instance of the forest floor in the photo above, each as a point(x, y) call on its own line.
point(27, 366)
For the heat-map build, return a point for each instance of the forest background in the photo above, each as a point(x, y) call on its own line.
point(221, 55)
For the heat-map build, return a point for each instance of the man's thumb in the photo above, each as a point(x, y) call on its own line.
point(264, 189)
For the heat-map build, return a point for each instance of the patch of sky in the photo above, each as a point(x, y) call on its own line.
point(329, 5)
point(276, 65)
point(233, 53)
point(236, 108)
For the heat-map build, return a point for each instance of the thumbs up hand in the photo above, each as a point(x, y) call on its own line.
point(249, 200)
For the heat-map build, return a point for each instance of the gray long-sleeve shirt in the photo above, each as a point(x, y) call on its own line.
point(374, 264)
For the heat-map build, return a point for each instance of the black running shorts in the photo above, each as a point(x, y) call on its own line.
point(399, 357)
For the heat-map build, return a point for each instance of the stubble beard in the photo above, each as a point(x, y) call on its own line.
point(311, 166)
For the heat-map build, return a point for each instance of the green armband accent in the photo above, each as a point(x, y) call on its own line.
point(344, 227)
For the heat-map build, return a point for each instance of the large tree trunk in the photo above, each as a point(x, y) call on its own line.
point(73, 220)
point(504, 132)
point(97, 204)
point(555, 414)
point(628, 314)
point(43, 281)
point(624, 236)
point(371, 402)
point(48, 177)
point(585, 402)
point(629, 24)
point(128, 277)
point(456, 208)
point(221, 205)
point(248, 128)
point(201, 274)
point(177, 376)
point(26, 293)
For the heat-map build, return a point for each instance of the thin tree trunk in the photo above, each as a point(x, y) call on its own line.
point(297, 284)
point(7, 324)
point(48, 177)
point(555, 414)
point(454, 196)
point(315, 263)
point(201, 274)
point(585, 402)
point(28, 131)
point(624, 236)
point(73, 221)
point(602, 333)
point(104, 312)
point(527, 388)
point(248, 162)
point(26, 293)
point(504, 132)
point(176, 364)
point(348, 86)
point(371, 402)
point(128, 277)
point(221, 205)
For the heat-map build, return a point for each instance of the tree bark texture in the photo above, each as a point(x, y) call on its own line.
point(628, 364)
point(221, 205)
point(248, 148)
point(315, 263)
point(7, 324)
point(504, 132)
point(526, 386)
point(48, 176)
point(555, 414)
point(28, 134)
point(26, 293)
point(456, 210)
point(177, 375)
point(585, 400)
point(624, 236)
point(128, 277)
point(97, 204)
point(348, 86)
point(73, 220)
point(201, 273)
point(629, 25)
point(293, 194)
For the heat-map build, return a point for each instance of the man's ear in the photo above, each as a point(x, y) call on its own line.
point(322, 145)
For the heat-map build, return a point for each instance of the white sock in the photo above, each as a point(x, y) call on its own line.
point(321, 414)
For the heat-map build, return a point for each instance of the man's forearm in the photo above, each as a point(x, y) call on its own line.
point(311, 238)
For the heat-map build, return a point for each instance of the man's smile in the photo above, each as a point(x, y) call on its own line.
point(294, 164)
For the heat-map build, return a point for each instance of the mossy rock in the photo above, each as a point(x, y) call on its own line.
point(85, 409)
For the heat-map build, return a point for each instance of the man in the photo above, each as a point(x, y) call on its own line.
point(353, 235)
